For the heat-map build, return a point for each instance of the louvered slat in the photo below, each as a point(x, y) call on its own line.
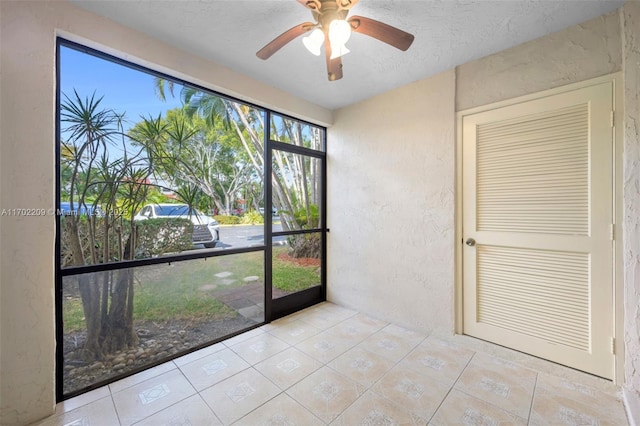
point(534, 119)
point(531, 173)
point(541, 293)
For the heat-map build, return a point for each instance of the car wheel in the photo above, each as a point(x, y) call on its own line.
point(210, 245)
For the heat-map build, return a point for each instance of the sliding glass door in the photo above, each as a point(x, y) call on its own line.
point(297, 234)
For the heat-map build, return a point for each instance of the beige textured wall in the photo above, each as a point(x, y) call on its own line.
point(631, 176)
point(391, 205)
point(391, 176)
point(577, 53)
point(27, 168)
point(27, 243)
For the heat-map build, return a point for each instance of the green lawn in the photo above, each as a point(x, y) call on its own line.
point(290, 277)
point(186, 290)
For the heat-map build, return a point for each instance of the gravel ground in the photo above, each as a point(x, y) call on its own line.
point(158, 341)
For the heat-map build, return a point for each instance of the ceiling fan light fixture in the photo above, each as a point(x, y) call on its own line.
point(313, 42)
point(337, 51)
point(331, 28)
point(339, 32)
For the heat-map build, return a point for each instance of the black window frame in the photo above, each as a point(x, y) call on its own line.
point(292, 303)
point(272, 310)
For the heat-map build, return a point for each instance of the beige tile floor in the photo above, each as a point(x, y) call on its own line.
point(331, 365)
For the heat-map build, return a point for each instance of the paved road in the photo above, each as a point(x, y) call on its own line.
point(246, 236)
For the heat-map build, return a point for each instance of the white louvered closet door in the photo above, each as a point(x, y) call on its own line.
point(537, 201)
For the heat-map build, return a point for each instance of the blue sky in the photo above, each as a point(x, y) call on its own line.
point(124, 89)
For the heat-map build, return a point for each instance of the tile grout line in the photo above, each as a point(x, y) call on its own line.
point(370, 388)
point(501, 408)
point(533, 397)
point(165, 408)
point(209, 407)
point(276, 353)
point(394, 366)
point(175, 367)
point(326, 364)
point(283, 392)
point(177, 402)
point(187, 378)
point(115, 408)
point(452, 387)
point(397, 363)
point(264, 403)
point(252, 366)
point(294, 398)
point(355, 382)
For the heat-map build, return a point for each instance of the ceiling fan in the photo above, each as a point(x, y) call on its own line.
point(333, 29)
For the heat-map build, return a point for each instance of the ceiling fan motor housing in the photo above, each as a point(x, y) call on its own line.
point(324, 13)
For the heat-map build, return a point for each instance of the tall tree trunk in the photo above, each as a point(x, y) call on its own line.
point(118, 331)
point(227, 204)
point(90, 295)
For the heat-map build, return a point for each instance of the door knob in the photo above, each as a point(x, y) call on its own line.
point(470, 242)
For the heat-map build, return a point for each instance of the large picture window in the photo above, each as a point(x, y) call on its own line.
point(181, 216)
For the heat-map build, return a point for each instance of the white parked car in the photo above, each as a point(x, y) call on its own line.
point(274, 211)
point(205, 229)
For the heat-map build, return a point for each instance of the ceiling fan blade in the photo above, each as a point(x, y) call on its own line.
point(334, 66)
point(383, 32)
point(277, 43)
point(311, 4)
point(345, 4)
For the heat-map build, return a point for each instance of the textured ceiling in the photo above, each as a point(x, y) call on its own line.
point(447, 33)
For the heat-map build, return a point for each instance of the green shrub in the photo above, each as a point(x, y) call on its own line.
point(301, 217)
point(91, 232)
point(163, 235)
point(252, 217)
point(227, 220)
point(154, 237)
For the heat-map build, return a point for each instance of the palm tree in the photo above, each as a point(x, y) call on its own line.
point(92, 177)
point(296, 180)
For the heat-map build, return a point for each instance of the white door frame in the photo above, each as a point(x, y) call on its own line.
point(618, 288)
